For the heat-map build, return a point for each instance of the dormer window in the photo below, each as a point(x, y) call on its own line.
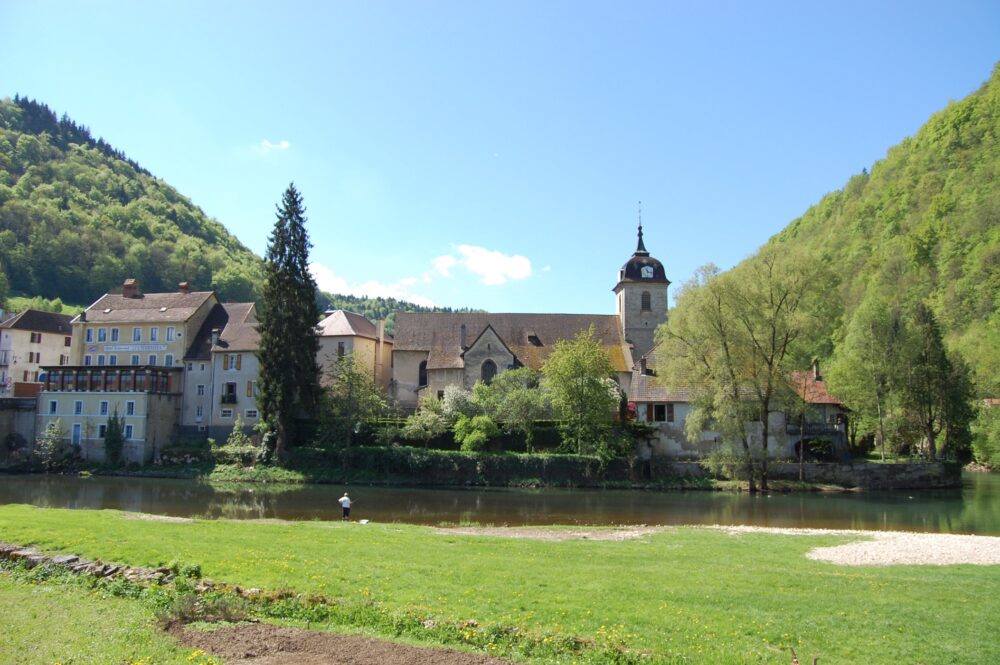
point(533, 339)
point(646, 272)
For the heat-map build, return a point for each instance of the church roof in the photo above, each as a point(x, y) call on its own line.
point(632, 270)
point(530, 337)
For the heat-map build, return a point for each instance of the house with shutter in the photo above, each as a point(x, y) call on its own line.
point(28, 341)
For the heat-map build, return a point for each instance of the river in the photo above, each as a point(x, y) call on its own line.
point(975, 508)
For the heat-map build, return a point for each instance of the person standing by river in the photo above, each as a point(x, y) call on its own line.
point(345, 504)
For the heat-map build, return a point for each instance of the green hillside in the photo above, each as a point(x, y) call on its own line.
point(923, 226)
point(77, 217)
point(378, 308)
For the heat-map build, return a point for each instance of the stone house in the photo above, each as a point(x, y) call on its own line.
point(27, 341)
point(342, 333)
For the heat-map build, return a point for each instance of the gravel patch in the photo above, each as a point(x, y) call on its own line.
point(147, 517)
point(894, 548)
point(536, 533)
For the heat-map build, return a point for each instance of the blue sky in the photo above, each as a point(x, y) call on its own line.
point(492, 154)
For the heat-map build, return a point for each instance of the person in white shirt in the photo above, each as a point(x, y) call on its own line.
point(345, 504)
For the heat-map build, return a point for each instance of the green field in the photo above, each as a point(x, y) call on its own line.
point(686, 595)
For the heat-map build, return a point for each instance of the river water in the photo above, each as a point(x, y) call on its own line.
point(975, 508)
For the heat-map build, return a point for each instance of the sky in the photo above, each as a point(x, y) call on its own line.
point(493, 154)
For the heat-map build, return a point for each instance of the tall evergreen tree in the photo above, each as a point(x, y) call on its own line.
point(289, 373)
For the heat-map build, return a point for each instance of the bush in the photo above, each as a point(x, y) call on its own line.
point(475, 434)
point(986, 437)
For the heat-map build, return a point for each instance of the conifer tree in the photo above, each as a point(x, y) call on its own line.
point(289, 373)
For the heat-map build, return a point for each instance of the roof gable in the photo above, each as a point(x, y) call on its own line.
point(39, 321)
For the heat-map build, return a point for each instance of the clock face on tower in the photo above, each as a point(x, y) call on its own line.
point(647, 272)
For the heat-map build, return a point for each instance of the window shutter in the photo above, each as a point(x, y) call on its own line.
point(225, 361)
point(249, 388)
point(649, 412)
point(239, 357)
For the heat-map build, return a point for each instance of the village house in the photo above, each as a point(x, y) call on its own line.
point(125, 358)
point(435, 350)
point(342, 333)
point(667, 407)
point(27, 341)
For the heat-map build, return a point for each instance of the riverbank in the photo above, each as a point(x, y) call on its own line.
point(683, 593)
point(418, 467)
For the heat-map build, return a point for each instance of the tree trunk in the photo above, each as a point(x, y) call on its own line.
point(751, 480)
point(763, 457)
point(931, 443)
point(802, 446)
point(881, 425)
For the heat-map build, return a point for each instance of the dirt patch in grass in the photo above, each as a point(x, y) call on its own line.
point(539, 533)
point(894, 548)
point(267, 644)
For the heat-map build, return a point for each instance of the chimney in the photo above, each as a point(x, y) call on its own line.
point(184, 287)
point(379, 350)
point(463, 337)
point(215, 336)
point(642, 366)
point(130, 288)
point(83, 316)
point(816, 374)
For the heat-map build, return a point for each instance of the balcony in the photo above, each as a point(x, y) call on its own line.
point(228, 399)
point(812, 429)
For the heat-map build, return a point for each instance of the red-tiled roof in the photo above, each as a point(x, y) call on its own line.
point(814, 390)
point(440, 335)
point(341, 323)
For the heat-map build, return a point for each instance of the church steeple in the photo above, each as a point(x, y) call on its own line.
point(640, 249)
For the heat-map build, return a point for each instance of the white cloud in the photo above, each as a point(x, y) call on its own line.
point(328, 280)
point(444, 264)
point(266, 146)
point(494, 267)
point(547, 269)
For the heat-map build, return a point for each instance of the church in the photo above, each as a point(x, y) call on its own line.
point(434, 350)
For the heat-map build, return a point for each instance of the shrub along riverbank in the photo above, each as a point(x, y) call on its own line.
point(689, 594)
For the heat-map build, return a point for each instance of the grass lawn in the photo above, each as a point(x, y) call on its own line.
point(58, 623)
point(689, 595)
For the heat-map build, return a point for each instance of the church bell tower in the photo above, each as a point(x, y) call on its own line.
point(641, 295)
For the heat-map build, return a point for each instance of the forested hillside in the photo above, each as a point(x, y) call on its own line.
point(77, 217)
point(378, 308)
point(922, 226)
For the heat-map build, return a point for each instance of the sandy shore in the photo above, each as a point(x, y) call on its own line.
point(890, 548)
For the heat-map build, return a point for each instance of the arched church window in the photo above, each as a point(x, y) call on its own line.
point(489, 370)
point(646, 301)
point(422, 374)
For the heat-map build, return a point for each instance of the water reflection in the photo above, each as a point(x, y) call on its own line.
point(973, 509)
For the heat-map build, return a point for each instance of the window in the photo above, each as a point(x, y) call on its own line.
point(136, 334)
point(36, 338)
point(114, 334)
point(663, 413)
point(102, 334)
point(202, 367)
point(77, 408)
point(200, 411)
point(135, 360)
point(226, 413)
point(168, 360)
point(488, 371)
point(251, 413)
point(170, 333)
point(25, 375)
point(87, 360)
point(229, 393)
point(104, 408)
point(231, 361)
point(130, 408)
point(102, 430)
point(201, 388)
point(113, 359)
point(422, 373)
point(152, 358)
point(53, 405)
point(68, 341)
point(89, 335)
point(340, 349)
point(190, 366)
point(440, 394)
point(63, 359)
point(249, 388)
point(128, 431)
point(154, 334)
point(101, 360)
point(646, 301)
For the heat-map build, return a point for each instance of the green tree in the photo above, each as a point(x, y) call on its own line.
point(49, 446)
point(289, 373)
point(426, 423)
point(986, 436)
point(740, 338)
point(937, 390)
point(475, 433)
point(114, 438)
point(515, 399)
point(578, 377)
point(351, 398)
